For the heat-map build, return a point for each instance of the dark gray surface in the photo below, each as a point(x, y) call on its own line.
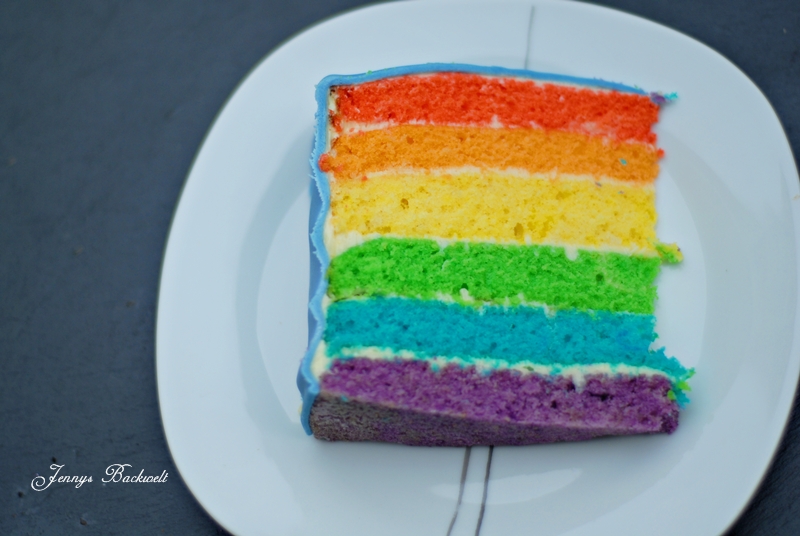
point(102, 107)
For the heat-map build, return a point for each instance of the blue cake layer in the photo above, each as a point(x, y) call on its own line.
point(431, 328)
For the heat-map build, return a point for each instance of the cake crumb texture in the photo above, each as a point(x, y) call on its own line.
point(495, 273)
point(406, 402)
point(464, 98)
point(497, 206)
point(406, 147)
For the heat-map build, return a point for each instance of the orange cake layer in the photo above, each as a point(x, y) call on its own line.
point(471, 99)
point(532, 150)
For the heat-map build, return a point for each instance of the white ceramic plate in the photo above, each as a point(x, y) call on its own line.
point(232, 304)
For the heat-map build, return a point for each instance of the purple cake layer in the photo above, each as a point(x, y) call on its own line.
point(406, 401)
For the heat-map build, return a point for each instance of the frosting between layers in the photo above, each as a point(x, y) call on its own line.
point(322, 363)
point(338, 243)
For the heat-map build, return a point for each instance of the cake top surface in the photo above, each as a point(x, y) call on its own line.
point(428, 68)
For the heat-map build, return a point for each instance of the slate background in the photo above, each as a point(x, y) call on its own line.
point(103, 105)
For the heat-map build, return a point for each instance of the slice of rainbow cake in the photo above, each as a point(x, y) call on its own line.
point(488, 257)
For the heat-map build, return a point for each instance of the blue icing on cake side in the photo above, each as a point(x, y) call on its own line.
point(306, 382)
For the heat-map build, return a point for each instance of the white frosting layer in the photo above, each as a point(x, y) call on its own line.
point(338, 243)
point(577, 373)
point(510, 172)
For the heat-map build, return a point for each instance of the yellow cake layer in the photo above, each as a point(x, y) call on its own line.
point(496, 206)
point(533, 150)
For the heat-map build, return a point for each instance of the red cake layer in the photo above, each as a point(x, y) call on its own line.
point(469, 99)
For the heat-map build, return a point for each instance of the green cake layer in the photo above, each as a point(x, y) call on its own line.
point(496, 273)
